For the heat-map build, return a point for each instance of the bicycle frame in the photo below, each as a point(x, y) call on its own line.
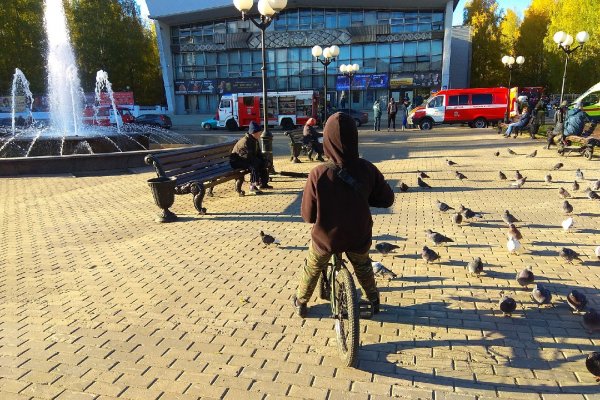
point(336, 263)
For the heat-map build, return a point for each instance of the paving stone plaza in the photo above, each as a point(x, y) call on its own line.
point(97, 301)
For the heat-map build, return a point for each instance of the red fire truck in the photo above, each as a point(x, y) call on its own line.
point(477, 107)
point(285, 109)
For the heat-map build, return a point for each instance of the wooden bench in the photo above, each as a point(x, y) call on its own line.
point(584, 144)
point(197, 169)
point(297, 145)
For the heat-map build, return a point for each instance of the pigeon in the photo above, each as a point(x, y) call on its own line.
point(567, 224)
point(513, 232)
point(513, 246)
point(579, 174)
point(591, 320)
point(508, 305)
point(562, 192)
point(497, 154)
point(380, 270)
point(592, 363)
point(567, 207)
point(468, 213)
point(268, 239)
point(509, 218)
point(385, 247)
point(597, 252)
point(501, 176)
point(519, 183)
point(591, 194)
point(518, 175)
point(403, 187)
point(558, 166)
point(577, 301)
point(511, 152)
point(575, 186)
point(437, 238)
point(548, 178)
point(569, 255)
point(429, 255)
point(422, 175)
point(443, 207)
point(475, 266)
point(541, 295)
point(422, 183)
point(460, 176)
point(450, 163)
point(532, 154)
point(458, 218)
point(525, 277)
point(596, 185)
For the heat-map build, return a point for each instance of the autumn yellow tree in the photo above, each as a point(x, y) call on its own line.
point(510, 31)
point(573, 16)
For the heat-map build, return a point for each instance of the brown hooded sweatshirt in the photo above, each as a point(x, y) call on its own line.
point(340, 214)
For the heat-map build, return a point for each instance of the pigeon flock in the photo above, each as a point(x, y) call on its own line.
point(539, 294)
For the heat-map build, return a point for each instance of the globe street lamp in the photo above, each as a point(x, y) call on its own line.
point(509, 62)
point(564, 42)
point(329, 55)
point(268, 10)
point(349, 70)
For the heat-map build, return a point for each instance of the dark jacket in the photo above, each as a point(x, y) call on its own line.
point(246, 150)
point(340, 214)
point(575, 122)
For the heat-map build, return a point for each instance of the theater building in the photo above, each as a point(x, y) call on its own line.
point(403, 48)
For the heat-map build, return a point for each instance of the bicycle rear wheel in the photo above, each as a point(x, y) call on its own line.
point(346, 318)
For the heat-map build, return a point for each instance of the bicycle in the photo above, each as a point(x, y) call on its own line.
point(337, 286)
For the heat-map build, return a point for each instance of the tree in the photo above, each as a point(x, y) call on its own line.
point(530, 44)
point(510, 32)
point(21, 43)
point(484, 17)
point(573, 16)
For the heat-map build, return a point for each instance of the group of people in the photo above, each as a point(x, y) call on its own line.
point(345, 175)
point(394, 110)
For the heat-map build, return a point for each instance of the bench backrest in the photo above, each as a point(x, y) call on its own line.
point(296, 136)
point(180, 163)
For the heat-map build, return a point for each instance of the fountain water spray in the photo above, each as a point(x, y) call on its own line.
point(102, 82)
point(64, 87)
point(19, 76)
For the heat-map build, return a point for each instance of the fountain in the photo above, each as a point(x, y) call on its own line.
point(70, 142)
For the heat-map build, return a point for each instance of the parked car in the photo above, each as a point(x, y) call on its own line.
point(209, 124)
point(358, 116)
point(160, 120)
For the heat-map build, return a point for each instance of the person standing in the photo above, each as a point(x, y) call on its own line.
point(559, 123)
point(310, 137)
point(392, 109)
point(403, 113)
point(246, 154)
point(377, 115)
point(539, 114)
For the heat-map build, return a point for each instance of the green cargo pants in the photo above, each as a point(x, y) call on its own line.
point(315, 263)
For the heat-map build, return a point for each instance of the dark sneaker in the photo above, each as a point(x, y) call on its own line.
point(301, 308)
point(375, 303)
point(267, 186)
point(255, 190)
point(320, 158)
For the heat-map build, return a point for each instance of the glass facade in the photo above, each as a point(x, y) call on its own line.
point(412, 46)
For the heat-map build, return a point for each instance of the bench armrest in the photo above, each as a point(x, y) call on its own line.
point(151, 160)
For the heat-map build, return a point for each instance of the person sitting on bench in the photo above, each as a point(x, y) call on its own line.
point(246, 154)
point(575, 121)
point(521, 123)
point(311, 138)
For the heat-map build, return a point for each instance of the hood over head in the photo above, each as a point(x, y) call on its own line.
point(340, 139)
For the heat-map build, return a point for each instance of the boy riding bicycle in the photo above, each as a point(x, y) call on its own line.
point(336, 199)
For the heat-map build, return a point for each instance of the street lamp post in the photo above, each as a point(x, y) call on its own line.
point(509, 62)
point(564, 42)
point(329, 55)
point(349, 71)
point(268, 10)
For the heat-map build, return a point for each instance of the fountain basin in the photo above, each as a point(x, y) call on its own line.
point(84, 164)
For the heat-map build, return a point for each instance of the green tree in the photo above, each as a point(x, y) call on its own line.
point(21, 43)
point(573, 16)
point(484, 17)
point(530, 44)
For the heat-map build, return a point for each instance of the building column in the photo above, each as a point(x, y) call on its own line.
point(447, 45)
point(166, 62)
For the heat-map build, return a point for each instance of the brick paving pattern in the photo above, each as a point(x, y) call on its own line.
point(97, 301)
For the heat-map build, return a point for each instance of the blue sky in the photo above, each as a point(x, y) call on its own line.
point(519, 5)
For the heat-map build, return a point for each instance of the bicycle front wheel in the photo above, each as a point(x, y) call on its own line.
point(346, 318)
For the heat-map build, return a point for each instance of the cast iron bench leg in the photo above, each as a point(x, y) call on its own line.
point(198, 191)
